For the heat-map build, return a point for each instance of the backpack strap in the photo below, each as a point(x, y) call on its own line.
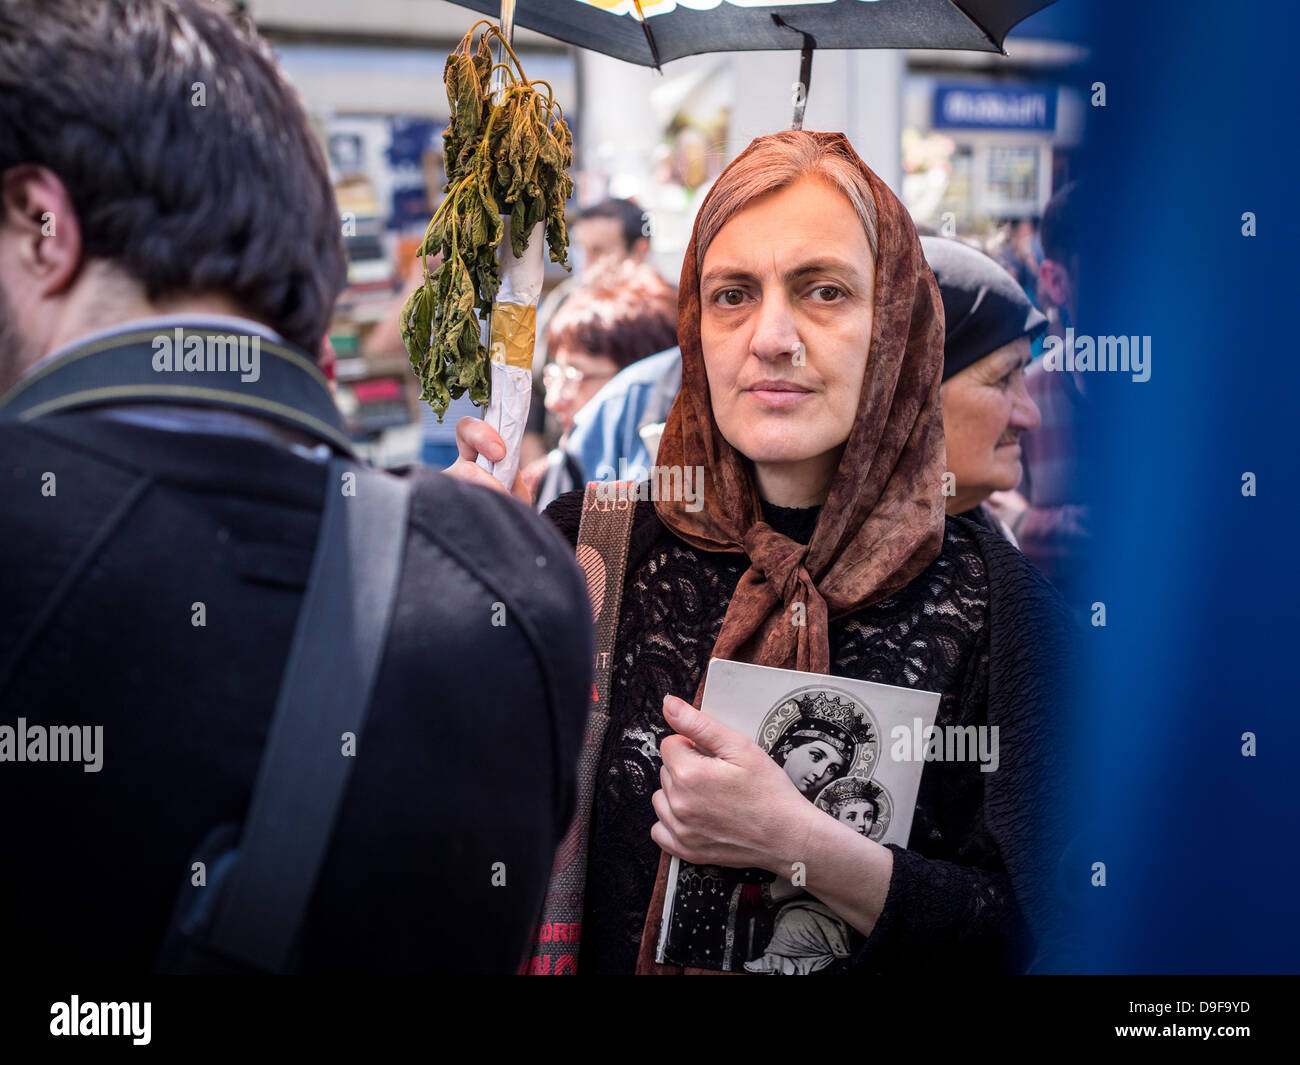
point(333, 659)
point(603, 537)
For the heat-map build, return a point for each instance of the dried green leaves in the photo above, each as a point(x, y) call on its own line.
point(504, 157)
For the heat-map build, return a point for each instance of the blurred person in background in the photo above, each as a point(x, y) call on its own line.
point(607, 232)
point(620, 427)
point(1017, 249)
point(989, 329)
point(612, 229)
point(161, 533)
point(1047, 514)
point(623, 313)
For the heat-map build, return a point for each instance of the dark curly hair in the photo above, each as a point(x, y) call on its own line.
point(186, 155)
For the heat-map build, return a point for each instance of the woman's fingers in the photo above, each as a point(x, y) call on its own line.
point(665, 840)
point(471, 472)
point(664, 812)
point(474, 437)
point(674, 747)
point(667, 832)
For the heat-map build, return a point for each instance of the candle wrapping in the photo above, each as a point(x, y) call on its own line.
point(513, 333)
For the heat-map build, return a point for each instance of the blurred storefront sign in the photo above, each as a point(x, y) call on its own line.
point(1031, 109)
point(981, 150)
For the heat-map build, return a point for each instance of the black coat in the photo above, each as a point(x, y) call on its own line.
point(466, 758)
point(946, 906)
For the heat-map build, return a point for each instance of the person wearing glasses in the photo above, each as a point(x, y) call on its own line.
point(622, 313)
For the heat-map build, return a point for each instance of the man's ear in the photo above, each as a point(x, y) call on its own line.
point(41, 227)
point(1054, 281)
point(327, 360)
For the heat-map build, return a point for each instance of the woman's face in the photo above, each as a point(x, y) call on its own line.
point(785, 324)
point(811, 765)
point(565, 395)
point(985, 409)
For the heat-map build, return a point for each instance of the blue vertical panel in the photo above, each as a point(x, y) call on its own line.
point(1200, 583)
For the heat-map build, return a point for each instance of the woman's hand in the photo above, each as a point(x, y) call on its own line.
point(475, 437)
point(723, 800)
point(740, 809)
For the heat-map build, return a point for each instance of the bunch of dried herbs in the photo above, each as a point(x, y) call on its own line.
point(506, 154)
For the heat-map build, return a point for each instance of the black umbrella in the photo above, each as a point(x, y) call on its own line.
point(652, 32)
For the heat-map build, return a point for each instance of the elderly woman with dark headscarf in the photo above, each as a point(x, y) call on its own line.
point(989, 329)
point(812, 351)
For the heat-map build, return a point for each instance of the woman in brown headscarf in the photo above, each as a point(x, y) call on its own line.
point(812, 342)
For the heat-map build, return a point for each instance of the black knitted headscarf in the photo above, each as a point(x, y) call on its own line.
point(983, 306)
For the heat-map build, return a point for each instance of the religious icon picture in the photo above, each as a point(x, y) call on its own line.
point(827, 734)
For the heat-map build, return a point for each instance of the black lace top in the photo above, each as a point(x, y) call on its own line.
point(949, 903)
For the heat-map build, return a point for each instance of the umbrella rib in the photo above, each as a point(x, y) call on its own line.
point(650, 40)
point(805, 69)
point(987, 36)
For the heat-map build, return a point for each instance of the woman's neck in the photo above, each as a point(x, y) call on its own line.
point(805, 483)
point(962, 502)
